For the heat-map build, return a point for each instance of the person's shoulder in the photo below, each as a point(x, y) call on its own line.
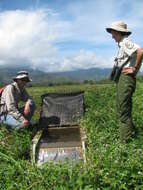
point(10, 86)
point(128, 43)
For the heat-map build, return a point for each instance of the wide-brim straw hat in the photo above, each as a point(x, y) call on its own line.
point(22, 75)
point(119, 26)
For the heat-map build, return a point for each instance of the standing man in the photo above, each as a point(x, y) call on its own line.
point(130, 55)
point(10, 114)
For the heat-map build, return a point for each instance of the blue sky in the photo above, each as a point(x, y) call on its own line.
point(63, 35)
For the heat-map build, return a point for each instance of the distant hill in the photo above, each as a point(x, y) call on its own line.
point(87, 74)
point(6, 75)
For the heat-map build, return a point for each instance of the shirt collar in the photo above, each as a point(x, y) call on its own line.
point(122, 40)
point(17, 87)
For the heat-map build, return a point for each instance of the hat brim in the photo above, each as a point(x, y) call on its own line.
point(113, 29)
point(24, 79)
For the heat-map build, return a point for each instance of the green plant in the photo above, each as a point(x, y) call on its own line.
point(109, 164)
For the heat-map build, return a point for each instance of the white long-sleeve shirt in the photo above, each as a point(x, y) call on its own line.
point(10, 98)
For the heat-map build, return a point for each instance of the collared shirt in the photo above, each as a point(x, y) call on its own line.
point(10, 98)
point(127, 49)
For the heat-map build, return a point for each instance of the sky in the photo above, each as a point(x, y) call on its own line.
point(64, 35)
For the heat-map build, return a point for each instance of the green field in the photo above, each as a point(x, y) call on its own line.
point(109, 164)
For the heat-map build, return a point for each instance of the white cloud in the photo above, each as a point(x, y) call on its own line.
point(41, 37)
point(28, 35)
point(84, 60)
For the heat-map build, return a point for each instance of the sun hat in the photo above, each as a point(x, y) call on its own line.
point(22, 75)
point(119, 26)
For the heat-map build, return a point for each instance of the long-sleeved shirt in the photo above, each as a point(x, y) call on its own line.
point(10, 98)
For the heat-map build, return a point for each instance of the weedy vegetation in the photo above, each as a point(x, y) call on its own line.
point(109, 164)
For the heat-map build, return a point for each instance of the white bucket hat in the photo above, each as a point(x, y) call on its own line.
point(119, 26)
point(22, 75)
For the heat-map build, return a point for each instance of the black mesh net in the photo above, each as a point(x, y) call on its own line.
point(61, 109)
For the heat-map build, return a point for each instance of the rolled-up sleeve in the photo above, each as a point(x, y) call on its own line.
point(130, 47)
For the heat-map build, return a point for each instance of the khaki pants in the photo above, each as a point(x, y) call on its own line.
point(125, 89)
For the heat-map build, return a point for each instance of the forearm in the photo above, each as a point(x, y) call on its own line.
point(139, 57)
point(135, 68)
point(16, 114)
point(19, 117)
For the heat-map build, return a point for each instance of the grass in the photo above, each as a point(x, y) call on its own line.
point(110, 165)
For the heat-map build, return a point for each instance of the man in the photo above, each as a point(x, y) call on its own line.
point(14, 93)
point(130, 55)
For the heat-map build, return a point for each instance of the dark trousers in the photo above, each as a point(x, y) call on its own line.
point(125, 89)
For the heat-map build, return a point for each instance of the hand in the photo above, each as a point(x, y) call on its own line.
point(26, 109)
point(128, 70)
point(25, 123)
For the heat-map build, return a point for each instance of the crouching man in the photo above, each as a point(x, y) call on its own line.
point(13, 93)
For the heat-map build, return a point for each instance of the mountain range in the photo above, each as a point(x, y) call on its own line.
point(6, 75)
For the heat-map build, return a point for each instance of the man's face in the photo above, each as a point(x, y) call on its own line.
point(21, 83)
point(116, 35)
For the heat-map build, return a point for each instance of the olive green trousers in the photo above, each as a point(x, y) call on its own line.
point(125, 89)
